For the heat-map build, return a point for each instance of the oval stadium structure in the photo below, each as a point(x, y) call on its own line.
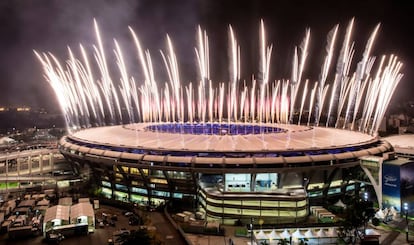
point(229, 172)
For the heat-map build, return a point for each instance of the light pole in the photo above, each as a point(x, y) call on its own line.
point(251, 229)
point(406, 220)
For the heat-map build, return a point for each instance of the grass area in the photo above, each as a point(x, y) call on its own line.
point(9, 185)
point(241, 232)
point(400, 230)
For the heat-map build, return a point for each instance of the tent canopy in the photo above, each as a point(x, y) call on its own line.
point(81, 209)
point(57, 212)
point(261, 235)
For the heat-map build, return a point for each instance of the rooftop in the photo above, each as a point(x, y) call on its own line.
point(292, 137)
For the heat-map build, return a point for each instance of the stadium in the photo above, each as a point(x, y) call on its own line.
point(234, 151)
point(229, 171)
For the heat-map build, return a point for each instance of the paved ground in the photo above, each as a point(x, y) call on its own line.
point(166, 233)
point(387, 238)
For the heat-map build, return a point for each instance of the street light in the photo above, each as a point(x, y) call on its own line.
point(406, 220)
point(251, 228)
point(366, 196)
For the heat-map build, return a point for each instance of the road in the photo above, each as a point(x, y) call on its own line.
point(168, 234)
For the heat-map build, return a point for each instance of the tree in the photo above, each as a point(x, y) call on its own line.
point(303, 241)
point(284, 241)
point(356, 217)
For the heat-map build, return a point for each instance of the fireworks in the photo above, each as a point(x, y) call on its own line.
point(89, 95)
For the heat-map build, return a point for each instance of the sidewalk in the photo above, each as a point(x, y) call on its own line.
point(393, 233)
point(388, 237)
point(197, 239)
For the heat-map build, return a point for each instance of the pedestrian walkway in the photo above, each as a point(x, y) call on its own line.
point(197, 239)
point(388, 236)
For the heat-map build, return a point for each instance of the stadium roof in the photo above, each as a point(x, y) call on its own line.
point(294, 138)
point(403, 144)
point(401, 141)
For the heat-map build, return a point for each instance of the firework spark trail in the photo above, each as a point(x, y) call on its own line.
point(221, 102)
point(71, 63)
point(90, 86)
point(56, 86)
point(358, 98)
point(243, 104)
point(342, 70)
point(152, 107)
point(171, 65)
point(211, 102)
point(284, 103)
point(322, 89)
point(202, 54)
point(312, 99)
point(85, 98)
point(372, 92)
point(189, 91)
point(265, 54)
point(297, 71)
point(107, 87)
point(363, 69)
point(252, 101)
point(89, 101)
point(389, 81)
point(305, 91)
point(234, 73)
point(125, 86)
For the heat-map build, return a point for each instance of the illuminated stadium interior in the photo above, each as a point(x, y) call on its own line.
point(213, 128)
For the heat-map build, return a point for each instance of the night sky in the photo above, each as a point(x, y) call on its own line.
point(52, 25)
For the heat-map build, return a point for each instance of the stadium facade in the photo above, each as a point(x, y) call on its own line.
point(229, 172)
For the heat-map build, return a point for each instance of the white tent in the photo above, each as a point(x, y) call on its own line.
point(261, 235)
point(297, 234)
point(321, 233)
point(332, 232)
point(339, 203)
point(309, 233)
point(394, 212)
point(380, 214)
point(285, 234)
point(273, 235)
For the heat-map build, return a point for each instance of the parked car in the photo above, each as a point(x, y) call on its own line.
point(135, 220)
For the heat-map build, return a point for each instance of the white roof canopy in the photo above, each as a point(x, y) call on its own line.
point(57, 212)
point(294, 137)
point(81, 209)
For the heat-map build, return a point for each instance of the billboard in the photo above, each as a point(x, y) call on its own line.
point(391, 186)
point(407, 185)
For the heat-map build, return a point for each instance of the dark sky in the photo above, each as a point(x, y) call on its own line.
point(52, 25)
